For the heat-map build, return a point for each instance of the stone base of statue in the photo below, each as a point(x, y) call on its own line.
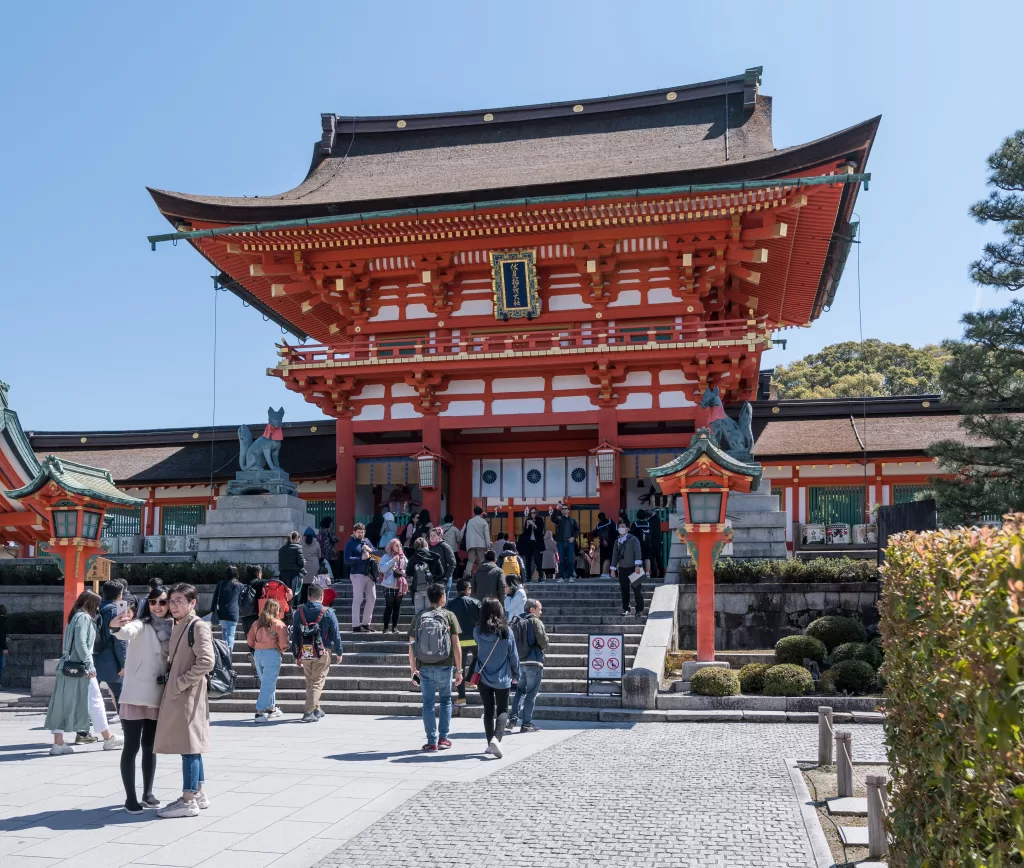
point(262, 482)
point(250, 528)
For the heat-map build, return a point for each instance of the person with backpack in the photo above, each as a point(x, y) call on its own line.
point(268, 638)
point(497, 665)
point(641, 529)
point(566, 531)
point(451, 534)
point(515, 598)
point(531, 641)
point(276, 590)
point(145, 673)
point(466, 609)
point(109, 652)
point(511, 563)
point(627, 558)
point(76, 699)
point(310, 562)
point(448, 560)
point(424, 569)
point(434, 653)
point(489, 580)
point(225, 605)
point(183, 723)
point(328, 541)
point(315, 635)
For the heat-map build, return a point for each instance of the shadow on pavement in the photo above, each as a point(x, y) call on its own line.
point(75, 818)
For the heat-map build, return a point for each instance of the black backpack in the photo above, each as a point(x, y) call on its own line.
point(643, 533)
point(247, 601)
point(221, 680)
point(520, 627)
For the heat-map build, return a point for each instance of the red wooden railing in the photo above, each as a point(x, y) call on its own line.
point(365, 348)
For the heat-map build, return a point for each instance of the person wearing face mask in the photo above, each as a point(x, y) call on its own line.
point(627, 559)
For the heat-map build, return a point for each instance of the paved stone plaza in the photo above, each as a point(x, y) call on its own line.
point(654, 794)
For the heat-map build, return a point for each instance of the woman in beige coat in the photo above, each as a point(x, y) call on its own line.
point(183, 726)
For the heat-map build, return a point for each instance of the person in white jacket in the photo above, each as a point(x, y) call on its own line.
point(145, 671)
point(515, 598)
point(476, 539)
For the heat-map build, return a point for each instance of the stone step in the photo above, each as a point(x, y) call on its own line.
point(758, 535)
point(578, 659)
point(407, 692)
point(343, 670)
point(277, 528)
point(256, 514)
point(413, 709)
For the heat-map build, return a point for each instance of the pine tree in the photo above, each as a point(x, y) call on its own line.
point(985, 373)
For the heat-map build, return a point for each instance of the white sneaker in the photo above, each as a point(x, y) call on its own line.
point(625, 613)
point(260, 718)
point(572, 581)
point(494, 748)
point(275, 713)
point(605, 576)
point(61, 749)
point(202, 800)
point(113, 743)
point(179, 808)
point(559, 581)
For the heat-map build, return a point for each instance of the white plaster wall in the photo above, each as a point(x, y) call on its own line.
point(475, 308)
point(402, 390)
point(637, 378)
point(627, 298)
point(517, 385)
point(567, 302)
point(572, 404)
point(570, 381)
point(463, 387)
point(369, 413)
point(465, 408)
point(517, 405)
point(661, 295)
point(386, 313)
point(674, 399)
point(637, 401)
point(672, 378)
point(372, 390)
point(418, 311)
point(404, 411)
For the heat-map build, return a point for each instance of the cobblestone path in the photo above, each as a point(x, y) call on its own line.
point(673, 795)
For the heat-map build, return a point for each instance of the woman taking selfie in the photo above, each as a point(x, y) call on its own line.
point(183, 724)
point(145, 672)
point(268, 638)
point(392, 569)
point(76, 699)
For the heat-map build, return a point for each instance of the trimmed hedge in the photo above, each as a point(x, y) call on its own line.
point(793, 649)
point(35, 623)
point(193, 573)
point(953, 628)
point(854, 676)
point(752, 677)
point(870, 654)
point(835, 630)
point(48, 574)
point(819, 570)
point(787, 679)
point(714, 681)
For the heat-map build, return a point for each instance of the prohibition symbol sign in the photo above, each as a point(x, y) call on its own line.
point(613, 644)
point(598, 643)
point(613, 664)
point(598, 664)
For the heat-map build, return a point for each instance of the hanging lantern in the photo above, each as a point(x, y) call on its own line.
point(429, 467)
point(607, 462)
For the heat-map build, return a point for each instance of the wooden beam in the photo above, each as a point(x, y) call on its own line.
point(19, 519)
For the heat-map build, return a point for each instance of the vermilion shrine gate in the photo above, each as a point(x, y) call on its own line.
point(501, 291)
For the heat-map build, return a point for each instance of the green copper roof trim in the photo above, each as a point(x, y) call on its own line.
point(703, 444)
point(10, 424)
point(77, 478)
point(303, 222)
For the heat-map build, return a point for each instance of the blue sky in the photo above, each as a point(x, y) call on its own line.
point(100, 100)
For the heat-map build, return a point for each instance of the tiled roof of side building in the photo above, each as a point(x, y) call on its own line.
point(851, 435)
point(76, 478)
point(705, 133)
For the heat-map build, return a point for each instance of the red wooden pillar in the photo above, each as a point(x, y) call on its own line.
point(705, 597)
point(344, 478)
point(150, 513)
point(609, 494)
point(432, 441)
point(460, 502)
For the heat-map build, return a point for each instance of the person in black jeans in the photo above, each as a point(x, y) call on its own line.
point(225, 605)
point(498, 664)
point(466, 608)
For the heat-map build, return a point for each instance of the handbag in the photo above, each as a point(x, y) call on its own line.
point(474, 679)
point(72, 668)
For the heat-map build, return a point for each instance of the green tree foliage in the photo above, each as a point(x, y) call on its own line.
point(1002, 264)
point(985, 379)
point(853, 370)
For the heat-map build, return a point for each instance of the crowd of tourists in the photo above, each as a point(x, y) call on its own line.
point(158, 658)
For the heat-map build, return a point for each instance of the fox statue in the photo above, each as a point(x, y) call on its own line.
point(262, 453)
point(734, 438)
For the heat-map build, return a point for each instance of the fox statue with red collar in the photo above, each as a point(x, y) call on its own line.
point(264, 452)
point(733, 438)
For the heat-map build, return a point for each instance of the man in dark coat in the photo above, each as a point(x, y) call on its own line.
point(109, 652)
point(290, 563)
point(489, 580)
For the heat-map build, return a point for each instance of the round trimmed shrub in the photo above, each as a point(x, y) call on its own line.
point(853, 676)
point(752, 677)
point(857, 651)
point(835, 630)
point(793, 649)
point(787, 679)
point(714, 681)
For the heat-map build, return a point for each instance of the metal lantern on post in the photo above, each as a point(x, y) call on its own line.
point(704, 475)
point(429, 466)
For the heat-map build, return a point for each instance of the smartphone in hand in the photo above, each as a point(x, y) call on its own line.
point(122, 607)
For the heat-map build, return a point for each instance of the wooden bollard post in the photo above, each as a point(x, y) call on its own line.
point(878, 844)
point(844, 763)
point(824, 735)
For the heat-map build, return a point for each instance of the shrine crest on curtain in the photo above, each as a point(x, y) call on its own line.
point(514, 279)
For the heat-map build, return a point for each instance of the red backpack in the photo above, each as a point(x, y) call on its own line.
point(274, 590)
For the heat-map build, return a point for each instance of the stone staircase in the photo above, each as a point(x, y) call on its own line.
point(373, 677)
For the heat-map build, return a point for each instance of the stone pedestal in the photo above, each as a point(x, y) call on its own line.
point(42, 685)
point(261, 482)
point(250, 528)
point(759, 528)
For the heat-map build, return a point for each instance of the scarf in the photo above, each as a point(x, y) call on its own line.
point(162, 627)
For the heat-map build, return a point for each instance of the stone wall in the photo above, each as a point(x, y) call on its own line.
point(26, 656)
point(50, 598)
point(756, 616)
